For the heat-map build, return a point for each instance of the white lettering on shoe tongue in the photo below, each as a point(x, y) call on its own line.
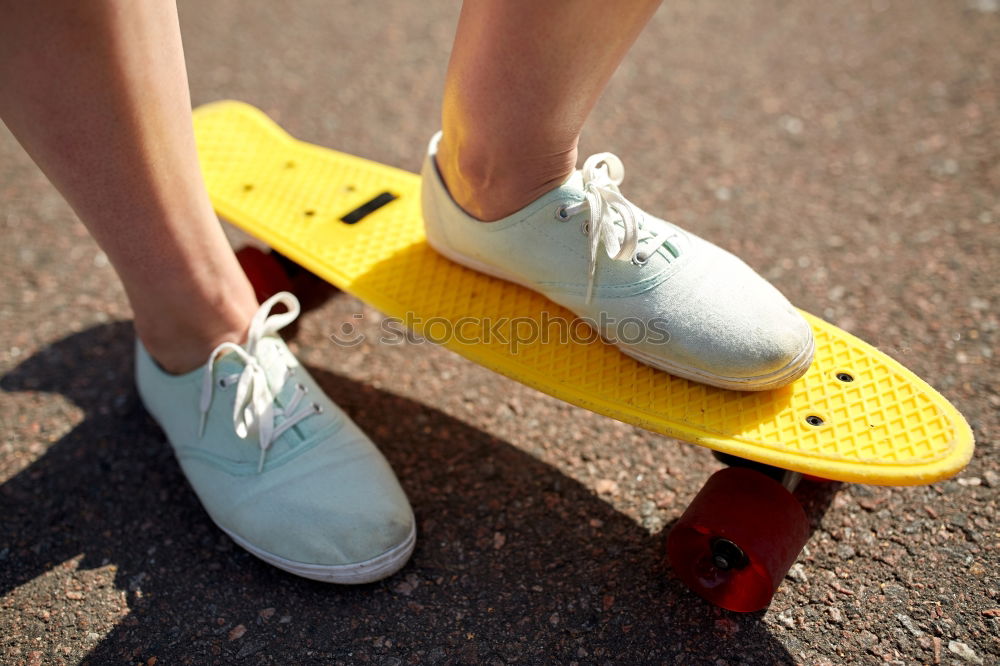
point(614, 220)
point(254, 411)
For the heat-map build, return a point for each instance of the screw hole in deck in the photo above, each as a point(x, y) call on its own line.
point(289, 164)
point(845, 377)
point(247, 187)
point(310, 213)
point(814, 420)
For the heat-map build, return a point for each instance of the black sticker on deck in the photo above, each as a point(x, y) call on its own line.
point(367, 208)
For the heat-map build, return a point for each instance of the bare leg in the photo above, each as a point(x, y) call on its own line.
point(523, 77)
point(97, 93)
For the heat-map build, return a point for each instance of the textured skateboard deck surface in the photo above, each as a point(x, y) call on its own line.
point(857, 415)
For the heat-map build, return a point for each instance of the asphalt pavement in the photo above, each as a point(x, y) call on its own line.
point(849, 151)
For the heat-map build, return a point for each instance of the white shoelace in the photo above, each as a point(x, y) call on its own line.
point(602, 174)
point(254, 411)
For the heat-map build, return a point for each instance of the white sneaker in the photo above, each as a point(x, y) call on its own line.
point(661, 294)
point(276, 464)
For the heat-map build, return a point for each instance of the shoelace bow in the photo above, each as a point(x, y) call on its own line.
point(254, 411)
point(602, 174)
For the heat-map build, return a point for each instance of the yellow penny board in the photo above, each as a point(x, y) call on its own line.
point(886, 426)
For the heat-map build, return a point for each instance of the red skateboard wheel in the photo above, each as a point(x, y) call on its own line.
point(738, 538)
point(264, 271)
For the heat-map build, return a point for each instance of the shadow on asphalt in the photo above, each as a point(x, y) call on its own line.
point(515, 562)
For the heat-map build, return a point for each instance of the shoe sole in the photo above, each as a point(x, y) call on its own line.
point(357, 573)
point(781, 377)
point(772, 380)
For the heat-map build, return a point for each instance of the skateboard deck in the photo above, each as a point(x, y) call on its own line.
point(856, 415)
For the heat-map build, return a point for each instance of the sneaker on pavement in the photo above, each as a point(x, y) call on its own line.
point(276, 464)
point(661, 294)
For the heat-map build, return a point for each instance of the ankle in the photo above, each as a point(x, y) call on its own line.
point(490, 183)
point(180, 337)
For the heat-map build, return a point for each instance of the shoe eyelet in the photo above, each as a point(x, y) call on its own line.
point(222, 383)
point(640, 259)
point(585, 228)
point(301, 387)
point(562, 214)
point(317, 408)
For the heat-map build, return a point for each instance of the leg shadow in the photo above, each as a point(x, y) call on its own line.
point(515, 561)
